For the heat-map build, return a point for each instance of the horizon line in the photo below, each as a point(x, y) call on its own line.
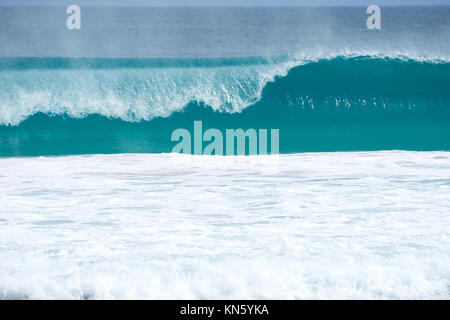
point(220, 6)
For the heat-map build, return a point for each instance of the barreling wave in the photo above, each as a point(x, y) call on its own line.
point(105, 105)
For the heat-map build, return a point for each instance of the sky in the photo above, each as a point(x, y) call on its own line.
point(252, 3)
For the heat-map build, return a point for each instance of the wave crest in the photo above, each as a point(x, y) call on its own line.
point(142, 89)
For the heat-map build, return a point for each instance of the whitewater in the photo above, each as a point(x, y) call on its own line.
point(315, 225)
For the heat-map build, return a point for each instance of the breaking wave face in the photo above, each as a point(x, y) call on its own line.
point(347, 102)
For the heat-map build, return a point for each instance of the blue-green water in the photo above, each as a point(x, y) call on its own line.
point(325, 80)
point(341, 104)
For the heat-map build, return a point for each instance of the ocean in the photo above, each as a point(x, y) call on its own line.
point(93, 204)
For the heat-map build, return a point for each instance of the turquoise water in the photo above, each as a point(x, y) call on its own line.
point(335, 104)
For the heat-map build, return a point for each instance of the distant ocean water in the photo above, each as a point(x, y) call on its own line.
point(115, 216)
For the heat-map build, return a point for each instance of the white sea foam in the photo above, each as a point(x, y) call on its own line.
point(326, 225)
point(131, 94)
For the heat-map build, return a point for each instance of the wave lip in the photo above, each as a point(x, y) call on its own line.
point(129, 89)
